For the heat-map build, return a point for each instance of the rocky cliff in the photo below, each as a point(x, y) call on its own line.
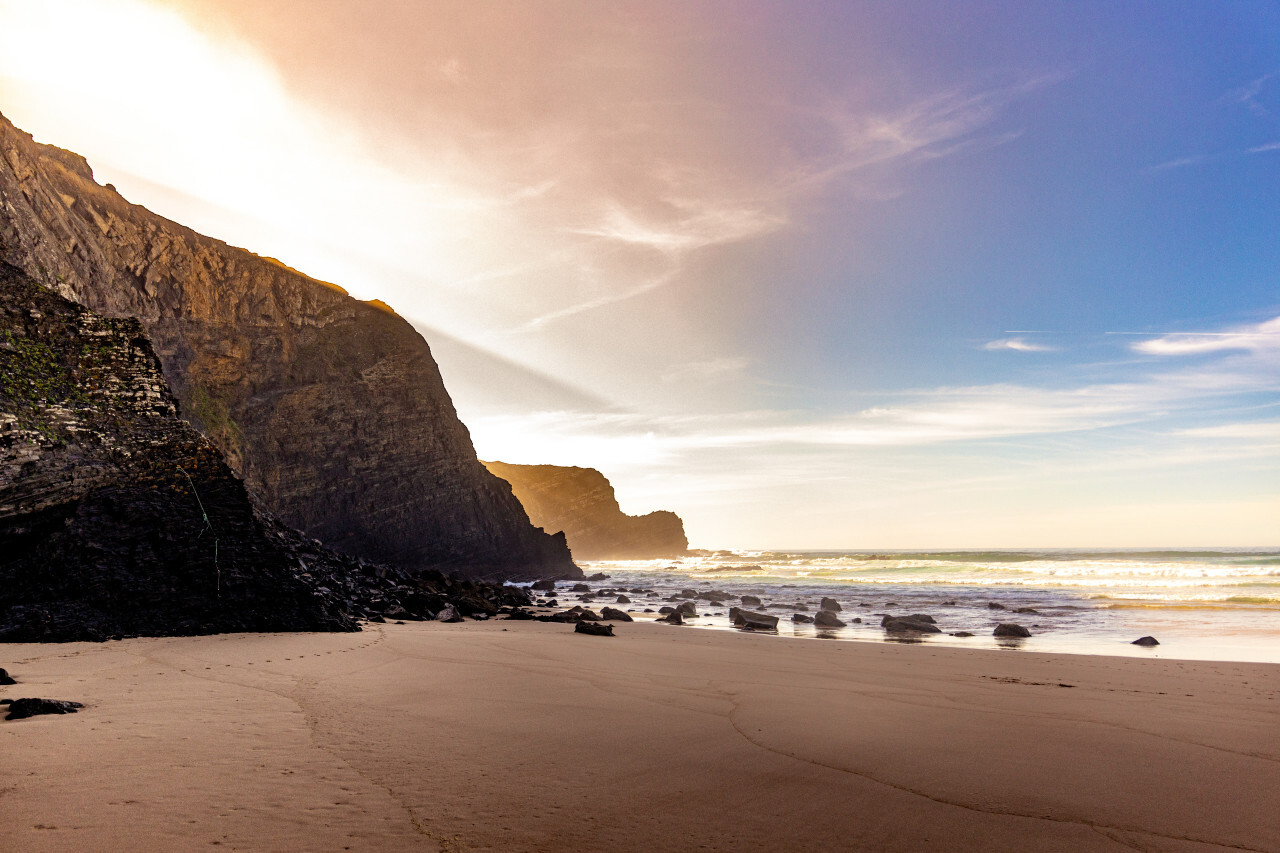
point(118, 518)
point(331, 409)
point(581, 502)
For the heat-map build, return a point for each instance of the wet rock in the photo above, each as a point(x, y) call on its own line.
point(688, 593)
point(962, 634)
point(521, 614)
point(830, 604)
point(579, 587)
point(672, 618)
point(612, 614)
point(5, 678)
point(598, 576)
point(622, 599)
point(1031, 610)
point(750, 601)
point(825, 618)
point(595, 629)
point(751, 620)
point(1141, 641)
point(857, 620)
point(908, 625)
point(666, 609)
point(801, 619)
point(1010, 629)
point(545, 584)
point(687, 609)
point(995, 605)
point(22, 708)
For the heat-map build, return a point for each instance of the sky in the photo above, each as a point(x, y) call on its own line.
point(813, 275)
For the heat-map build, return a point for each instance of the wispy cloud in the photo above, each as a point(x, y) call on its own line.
point(1261, 337)
point(1179, 163)
point(1248, 95)
point(1270, 146)
point(1016, 344)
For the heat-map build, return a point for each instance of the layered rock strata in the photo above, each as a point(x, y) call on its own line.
point(581, 502)
point(331, 409)
point(117, 518)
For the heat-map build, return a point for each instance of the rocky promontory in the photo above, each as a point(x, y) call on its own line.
point(117, 518)
point(581, 502)
point(332, 410)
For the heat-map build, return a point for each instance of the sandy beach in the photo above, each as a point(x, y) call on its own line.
point(525, 736)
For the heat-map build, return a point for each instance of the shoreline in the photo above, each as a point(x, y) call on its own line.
point(507, 735)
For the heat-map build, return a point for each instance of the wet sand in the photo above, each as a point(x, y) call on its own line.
point(525, 736)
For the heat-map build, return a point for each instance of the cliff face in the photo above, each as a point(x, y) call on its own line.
point(581, 502)
point(116, 516)
point(331, 409)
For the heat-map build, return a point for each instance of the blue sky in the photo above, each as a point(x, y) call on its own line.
point(810, 274)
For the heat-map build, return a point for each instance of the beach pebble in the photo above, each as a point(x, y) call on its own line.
point(1010, 629)
point(1141, 641)
point(596, 629)
point(830, 604)
point(22, 708)
point(826, 618)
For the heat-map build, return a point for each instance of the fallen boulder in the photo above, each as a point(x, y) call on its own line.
point(752, 621)
point(448, 614)
point(613, 614)
point(908, 625)
point(22, 708)
point(595, 629)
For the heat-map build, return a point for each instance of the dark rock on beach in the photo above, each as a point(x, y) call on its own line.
point(801, 619)
point(6, 679)
point(596, 629)
point(1141, 641)
point(909, 625)
point(612, 614)
point(750, 601)
point(825, 618)
point(830, 604)
point(672, 618)
point(1010, 629)
point(995, 605)
point(752, 621)
point(545, 585)
point(22, 708)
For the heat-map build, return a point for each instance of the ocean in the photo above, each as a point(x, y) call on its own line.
point(1220, 604)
